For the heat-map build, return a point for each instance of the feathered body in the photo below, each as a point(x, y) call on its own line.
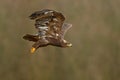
point(51, 29)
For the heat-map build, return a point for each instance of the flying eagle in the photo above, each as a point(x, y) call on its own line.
point(51, 29)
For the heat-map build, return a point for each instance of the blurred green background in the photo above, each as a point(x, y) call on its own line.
point(95, 36)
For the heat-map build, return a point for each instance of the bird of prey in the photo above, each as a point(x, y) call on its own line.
point(51, 29)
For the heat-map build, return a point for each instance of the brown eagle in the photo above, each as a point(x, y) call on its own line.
point(51, 29)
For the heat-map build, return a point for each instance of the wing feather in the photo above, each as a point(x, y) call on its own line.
point(50, 18)
point(41, 14)
point(53, 20)
point(64, 29)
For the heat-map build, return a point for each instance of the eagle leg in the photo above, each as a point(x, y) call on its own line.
point(40, 43)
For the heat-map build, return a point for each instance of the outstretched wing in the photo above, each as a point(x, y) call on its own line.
point(41, 14)
point(64, 29)
point(45, 13)
point(51, 19)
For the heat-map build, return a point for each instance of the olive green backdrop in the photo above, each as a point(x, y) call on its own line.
point(95, 36)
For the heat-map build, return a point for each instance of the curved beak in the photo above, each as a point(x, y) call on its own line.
point(69, 45)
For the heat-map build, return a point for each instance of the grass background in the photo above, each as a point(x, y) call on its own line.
point(95, 36)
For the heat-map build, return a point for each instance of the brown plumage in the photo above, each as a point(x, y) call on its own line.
point(51, 29)
point(51, 41)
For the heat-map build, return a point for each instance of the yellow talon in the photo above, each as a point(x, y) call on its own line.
point(32, 50)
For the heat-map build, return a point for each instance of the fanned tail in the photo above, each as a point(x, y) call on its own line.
point(29, 37)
